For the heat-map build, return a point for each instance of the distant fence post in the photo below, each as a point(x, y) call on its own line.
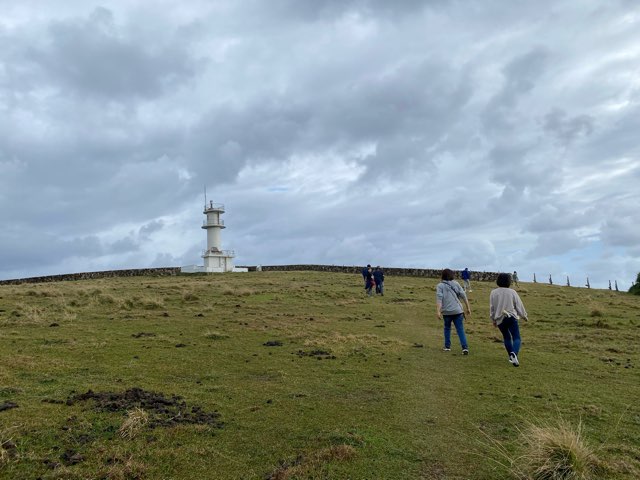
point(617, 286)
point(550, 280)
point(534, 278)
point(588, 284)
point(568, 283)
point(609, 284)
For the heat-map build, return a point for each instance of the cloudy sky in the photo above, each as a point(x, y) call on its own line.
point(498, 135)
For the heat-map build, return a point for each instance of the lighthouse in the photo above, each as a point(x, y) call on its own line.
point(215, 259)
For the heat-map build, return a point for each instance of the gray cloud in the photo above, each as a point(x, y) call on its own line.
point(93, 58)
point(566, 130)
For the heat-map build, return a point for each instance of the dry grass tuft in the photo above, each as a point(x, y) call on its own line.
point(8, 449)
point(596, 312)
point(338, 453)
point(556, 452)
point(189, 297)
point(211, 335)
point(123, 467)
point(309, 466)
point(133, 424)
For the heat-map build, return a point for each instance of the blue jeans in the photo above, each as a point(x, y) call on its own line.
point(458, 322)
point(511, 334)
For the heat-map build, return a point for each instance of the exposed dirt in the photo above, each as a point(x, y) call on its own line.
point(163, 411)
point(10, 448)
point(8, 406)
point(143, 334)
point(273, 343)
point(71, 457)
point(319, 354)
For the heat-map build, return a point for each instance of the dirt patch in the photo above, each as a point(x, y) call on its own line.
point(71, 457)
point(163, 411)
point(319, 354)
point(8, 406)
point(273, 343)
point(8, 449)
point(143, 334)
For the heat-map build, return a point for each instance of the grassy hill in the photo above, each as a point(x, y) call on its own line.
point(299, 375)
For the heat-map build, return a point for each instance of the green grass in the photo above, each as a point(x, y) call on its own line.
point(359, 388)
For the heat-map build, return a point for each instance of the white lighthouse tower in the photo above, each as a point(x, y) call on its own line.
point(215, 259)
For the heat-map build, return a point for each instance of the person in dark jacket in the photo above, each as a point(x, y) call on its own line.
point(364, 273)
point(466, 278)
point(378, 276)
point(369, 281)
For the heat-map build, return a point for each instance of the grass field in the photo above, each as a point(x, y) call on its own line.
point(299, 375)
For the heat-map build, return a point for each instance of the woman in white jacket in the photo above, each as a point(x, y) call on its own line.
point(506, 308)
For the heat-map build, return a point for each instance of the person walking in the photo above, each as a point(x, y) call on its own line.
point(364, 273)
point(466, 278)
point(449, 295)
point(515, 278)
point(505, 308)
point(378, 277)
point(369, 282)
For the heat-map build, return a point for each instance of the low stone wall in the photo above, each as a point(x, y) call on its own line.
point(165, 271)
point(170, 271)
point(404, 272)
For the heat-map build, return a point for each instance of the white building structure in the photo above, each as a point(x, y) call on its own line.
point(215, 259)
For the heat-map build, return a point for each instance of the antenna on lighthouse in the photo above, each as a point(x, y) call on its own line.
point(205, 196)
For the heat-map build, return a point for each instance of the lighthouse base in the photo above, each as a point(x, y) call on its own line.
point(218, 263)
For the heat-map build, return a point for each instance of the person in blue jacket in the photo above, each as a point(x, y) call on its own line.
point(466, 278)
point(378, 276)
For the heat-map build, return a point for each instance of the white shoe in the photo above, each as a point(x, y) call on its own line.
point(513, 359)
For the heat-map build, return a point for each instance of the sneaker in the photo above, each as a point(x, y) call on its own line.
point(465, 351)
point(446, 349)
point(513, 359)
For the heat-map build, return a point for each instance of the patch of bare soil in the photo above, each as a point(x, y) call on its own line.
point(163, 411)
point(143, 334)
point(319, 354)
point(8, 406)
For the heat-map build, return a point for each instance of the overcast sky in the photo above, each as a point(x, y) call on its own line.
point(498, 135)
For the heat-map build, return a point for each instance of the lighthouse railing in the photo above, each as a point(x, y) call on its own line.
point(219, 223)
point(222, 253)
point(214, 206)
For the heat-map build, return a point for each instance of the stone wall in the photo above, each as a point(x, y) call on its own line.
point(166, 271)
point(170, 271)
point(404, 272)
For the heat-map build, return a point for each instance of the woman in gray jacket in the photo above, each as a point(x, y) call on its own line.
point(505, 308)
point(449, 295)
